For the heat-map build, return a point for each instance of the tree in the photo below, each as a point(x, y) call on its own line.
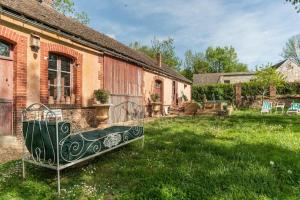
point(223, 59)
point(292, 49)
point(165, 47)
point(295, 3)
point(66, 7)
point(194, 63)
point(268, 76)
point(213, 60)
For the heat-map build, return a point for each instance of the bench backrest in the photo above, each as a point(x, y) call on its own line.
point(267, 105)
point(58, 113)
point(294, 106)
point(40, 138)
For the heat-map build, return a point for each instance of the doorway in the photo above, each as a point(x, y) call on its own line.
point(6, 89)
point(174, 93)
point(158, 89)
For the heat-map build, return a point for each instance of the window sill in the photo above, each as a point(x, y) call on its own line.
point(63, 106)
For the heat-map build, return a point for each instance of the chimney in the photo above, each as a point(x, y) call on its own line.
point(46, 2)
point(159, 59)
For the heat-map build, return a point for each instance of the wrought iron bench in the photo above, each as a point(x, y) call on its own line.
point(55, 144)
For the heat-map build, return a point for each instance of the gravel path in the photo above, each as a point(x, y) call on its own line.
point(9, 154)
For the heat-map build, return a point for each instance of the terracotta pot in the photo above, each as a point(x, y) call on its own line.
point(51, 100)
point(73, 99)
point(62, 100)
point(156, 108)
point(68, 100)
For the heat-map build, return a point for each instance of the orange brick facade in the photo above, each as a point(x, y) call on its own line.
point(91, 70)
point(19, 43)
point(46, 49)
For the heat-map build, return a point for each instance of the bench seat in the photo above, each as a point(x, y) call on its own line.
point(40, 140)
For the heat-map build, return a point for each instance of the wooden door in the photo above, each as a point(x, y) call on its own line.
point(6, 90)
point(175, 93)
point(158, 89)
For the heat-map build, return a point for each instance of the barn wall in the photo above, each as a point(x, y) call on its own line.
point(185, 89)
point(123, 80)
point(149, 79)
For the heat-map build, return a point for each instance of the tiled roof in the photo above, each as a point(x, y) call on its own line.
point(38, 13)
point(279, 64)
point(207, 78)
point(211, 78)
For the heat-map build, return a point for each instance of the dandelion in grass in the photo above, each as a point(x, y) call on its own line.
point(272, 163)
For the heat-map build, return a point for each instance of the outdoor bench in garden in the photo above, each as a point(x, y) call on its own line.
point(56, 144)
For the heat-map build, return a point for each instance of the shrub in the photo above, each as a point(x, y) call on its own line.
point(101, 95)
point(250, 91)
point(154, 97)
point(213, 92)
point(289, 89)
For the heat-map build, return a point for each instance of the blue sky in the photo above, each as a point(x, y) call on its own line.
point(258, 29)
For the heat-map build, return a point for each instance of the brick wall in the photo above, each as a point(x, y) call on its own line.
point(19, 43)
point(46, 49)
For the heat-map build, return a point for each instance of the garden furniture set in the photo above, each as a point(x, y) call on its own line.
point(267, 107)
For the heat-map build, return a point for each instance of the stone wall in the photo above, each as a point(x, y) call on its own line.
point(83, 117)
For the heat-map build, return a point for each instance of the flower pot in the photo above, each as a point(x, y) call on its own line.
point(73, 99)
point(102, 112)
point(51, 100)
point(62, 100)
point(68, 100)
point(156, 108)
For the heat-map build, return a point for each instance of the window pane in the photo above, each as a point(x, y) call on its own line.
point(52, 77)
point(158, 84)
point(65, 77)
point(52, 91)
point(52, 62)
point(4, 49)
point(65, 64)
point(67, 91)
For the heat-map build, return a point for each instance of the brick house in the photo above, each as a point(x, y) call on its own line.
point(45, 56)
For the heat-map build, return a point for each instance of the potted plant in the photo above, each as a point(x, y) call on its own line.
point(156, 104)
point(184, 97)
point(102, 106)
point(101, 96)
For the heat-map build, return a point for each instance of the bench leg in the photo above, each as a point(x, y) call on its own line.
point(23, 169)
point(58, 182)
point(143, 142)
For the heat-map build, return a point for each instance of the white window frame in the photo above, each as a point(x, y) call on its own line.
point(59, 72)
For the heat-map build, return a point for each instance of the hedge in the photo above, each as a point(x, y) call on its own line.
point(289, 89)
point(213, 92)
point(249, 90)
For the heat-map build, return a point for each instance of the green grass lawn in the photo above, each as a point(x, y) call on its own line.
point(246, 156)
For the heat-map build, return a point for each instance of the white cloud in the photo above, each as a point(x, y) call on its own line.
point(258, 29)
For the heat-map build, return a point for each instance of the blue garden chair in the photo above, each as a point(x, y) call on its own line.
point(266, 107)
point(294, 108)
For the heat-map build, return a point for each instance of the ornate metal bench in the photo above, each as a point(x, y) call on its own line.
point(55, 144)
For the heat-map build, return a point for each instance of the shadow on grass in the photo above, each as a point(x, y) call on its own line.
point(178, 162)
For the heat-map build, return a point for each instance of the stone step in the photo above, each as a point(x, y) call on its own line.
point(10, 142)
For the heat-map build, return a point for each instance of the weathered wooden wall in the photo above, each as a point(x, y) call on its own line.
point(123, 80)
